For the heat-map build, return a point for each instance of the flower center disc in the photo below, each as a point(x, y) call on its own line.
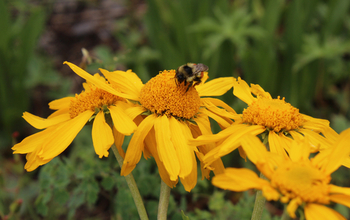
point(163, 95)
point(91, 98)
point(303, 181)
point(275, 114)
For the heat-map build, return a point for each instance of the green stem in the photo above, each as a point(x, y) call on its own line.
point(133, 187)
point(259, 204)
point(163, 201)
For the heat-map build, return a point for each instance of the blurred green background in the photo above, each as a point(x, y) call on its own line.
point(295, 49)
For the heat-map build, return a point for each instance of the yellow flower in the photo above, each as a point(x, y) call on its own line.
point(168, 115)
point(297, 181)
point(71, 114)
point(278, 119)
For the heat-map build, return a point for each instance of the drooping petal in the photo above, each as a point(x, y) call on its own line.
point(253, 147)
point(102, 136)
point(118, 141)
point(128, 82)
point(320, 212)
point(34, 161)
point(276, 144)
point(30, 143)
point(63, 135)
point(204, 129)
point(94, 80)
point(165, 147)
point(135, 148)
point(190, 181)
point(41, 123)
point(151, 145)
point(121, 121)
point(61, 103)
point(215, 87)
point(184, 152)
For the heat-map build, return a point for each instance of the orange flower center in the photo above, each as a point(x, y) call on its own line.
point(92, 98)
point(275, 114)
point(163, 95)
point(301, 181)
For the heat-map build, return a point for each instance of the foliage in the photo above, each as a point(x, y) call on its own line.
point(296, 49)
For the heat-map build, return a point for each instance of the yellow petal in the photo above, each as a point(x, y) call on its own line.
point(276, 144)
point(151, 144)
point(320, 212)
point(300, 150)
point(253, 147)
point(133, 112)
point(333, 189)
point(61, 103)
point(259, 91)
point(341, 199)
point(118, 141)
point(219, 111)
point(215, 87)
point(339, 154)
point(29, 144)
point(183, 151)
point(64, 134)
point(242, 91)
point(122, 122)
point(221, 121)
point(239, 180)
point(34, 161)
point(235, 137)
point(165, 147)
point(59, 112)
point(204, 128)
point(41, 123)
point(190, 181)
point(128, 82)
point(135, 148)
point(218, 102)
point(102, 136)
point(94, 80)
point(292, 206)
point(316, 140)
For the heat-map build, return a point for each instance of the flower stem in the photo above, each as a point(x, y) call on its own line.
point(163, 201)
point(133, 187)
point(258, 205)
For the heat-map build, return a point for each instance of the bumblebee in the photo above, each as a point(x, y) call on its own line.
point(190, 74)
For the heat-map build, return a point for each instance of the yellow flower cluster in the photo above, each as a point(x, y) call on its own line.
point(170, 122)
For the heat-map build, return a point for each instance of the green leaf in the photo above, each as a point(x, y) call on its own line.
point(61, 196)
point(184, 217)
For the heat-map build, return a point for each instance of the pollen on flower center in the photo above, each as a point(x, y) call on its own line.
point(162, 95)
point(275, 114)
point(301, 180)
point(91, 98)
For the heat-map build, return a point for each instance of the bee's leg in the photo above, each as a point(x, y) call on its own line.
point(188, 87)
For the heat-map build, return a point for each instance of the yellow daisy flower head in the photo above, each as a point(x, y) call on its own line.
point(296, 181)
point(70, 116)
point(168, 113)
point(279, 121)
